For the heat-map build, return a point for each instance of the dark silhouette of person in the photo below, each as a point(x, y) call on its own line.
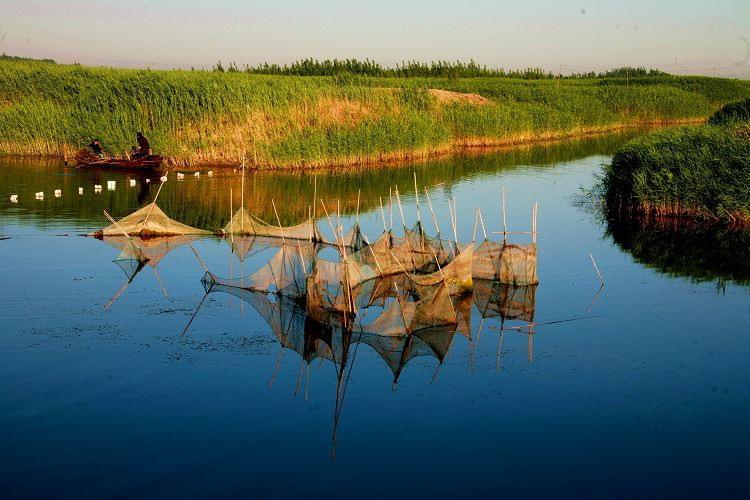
point(96, 147)
point(144, 148)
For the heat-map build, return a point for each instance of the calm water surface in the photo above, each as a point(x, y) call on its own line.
point(645, 393)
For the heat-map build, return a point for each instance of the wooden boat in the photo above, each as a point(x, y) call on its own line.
point(150, 162)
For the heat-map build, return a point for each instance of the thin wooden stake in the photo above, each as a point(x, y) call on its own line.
point(382, 214)
point(474, 231)
point(400, 209)
point(281, 229)
point(416, 199)
point(596, 268)
point(481, 220)
point(153, 203)
point(432, 212)
point(390, 204)
point(505, 220)
point(359, 192)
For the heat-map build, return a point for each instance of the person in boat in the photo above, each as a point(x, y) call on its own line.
point(144, 148)
point(96, 147)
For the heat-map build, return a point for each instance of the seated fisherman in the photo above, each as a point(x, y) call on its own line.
point(96, 147)
point(144, 148)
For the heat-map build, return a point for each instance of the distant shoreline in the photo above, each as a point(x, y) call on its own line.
point(301, 122)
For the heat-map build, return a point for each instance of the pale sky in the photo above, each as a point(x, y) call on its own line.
point(581, 35)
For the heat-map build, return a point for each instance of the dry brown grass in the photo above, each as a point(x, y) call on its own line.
point(450, 97)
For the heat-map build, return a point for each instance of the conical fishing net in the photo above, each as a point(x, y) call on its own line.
point(146, 222)
point(497, 300)
point(131, 259)
point(508, 263)
point(284, 274)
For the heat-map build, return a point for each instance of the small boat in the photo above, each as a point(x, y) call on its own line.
point(150, 162)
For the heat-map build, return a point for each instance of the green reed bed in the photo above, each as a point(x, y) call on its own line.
point(198, 117)
point(701, 172)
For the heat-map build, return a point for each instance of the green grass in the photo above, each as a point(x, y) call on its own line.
point(701, 171)
point(292, 121)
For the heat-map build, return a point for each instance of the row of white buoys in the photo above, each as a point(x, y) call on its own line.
point(112, 185)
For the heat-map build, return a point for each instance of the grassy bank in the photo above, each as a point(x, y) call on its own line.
point(295, 121)
point(700, 172)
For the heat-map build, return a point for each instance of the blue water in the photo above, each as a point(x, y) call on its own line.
point(645, 393)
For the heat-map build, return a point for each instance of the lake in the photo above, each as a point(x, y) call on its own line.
point(635, 388)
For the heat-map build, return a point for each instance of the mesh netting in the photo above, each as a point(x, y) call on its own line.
point(508, 263)
point(497, 300)
point(245, 223)
point(422, 252)
point(457, 274)
point(283, 274)
point(147, 222)
point(154, 248)
point(131, 259)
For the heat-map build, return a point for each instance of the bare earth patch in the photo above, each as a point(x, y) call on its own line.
point(450, 97)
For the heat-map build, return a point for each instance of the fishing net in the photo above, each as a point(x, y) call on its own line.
point(154, 248)
point(404, 317)
point(457, 274)
point(245, 223)
point(131, 259)
point(148, 221)
point(497, 300)
point(508, 263)
point(424, 252)
point(284, 274)
point(398, 350)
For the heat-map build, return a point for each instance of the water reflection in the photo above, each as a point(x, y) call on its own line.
point(699, 251)
point(205, 202)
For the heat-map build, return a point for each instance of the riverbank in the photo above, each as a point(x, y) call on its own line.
point(700, 173)
point(289, 122)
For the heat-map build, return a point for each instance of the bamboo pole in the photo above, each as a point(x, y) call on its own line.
point(416, 199)
point(382, 214)
point(390, 204)
point(400, 209)
point(505, 220)
point(231, 217)
point(481, 220)
point(242, 195)
point(474, 231)
point(278, 220)
point(596, 268)
point(432, 212)
point(359, 193)
point(153, 203)
point(315, 193)
point(118, 226)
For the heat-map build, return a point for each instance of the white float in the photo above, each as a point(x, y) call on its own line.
point(197, 174)
point(132, 182)
point(80, 190)
point(163, 178)
point(210, 173)
point(111, 185)
point(14, 198)
point(58, 193)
